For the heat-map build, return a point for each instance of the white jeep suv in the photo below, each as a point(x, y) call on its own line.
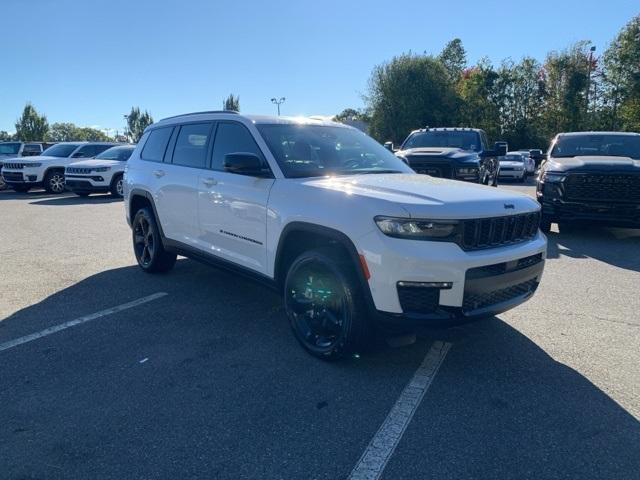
point(99, 175)
point(345, 230)
point(47, 170)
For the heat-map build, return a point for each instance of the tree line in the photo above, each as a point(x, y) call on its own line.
point(33, 126)
point(525, 103)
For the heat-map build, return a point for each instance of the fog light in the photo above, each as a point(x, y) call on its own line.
point(441, 285)
point(32, 178)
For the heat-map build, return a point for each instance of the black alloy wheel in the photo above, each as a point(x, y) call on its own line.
point(147, 244)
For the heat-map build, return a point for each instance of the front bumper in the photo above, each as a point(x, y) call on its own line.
point(511, 173)
point(78, 183)
point(21, 177)
point(482, 282)
point(605, 213)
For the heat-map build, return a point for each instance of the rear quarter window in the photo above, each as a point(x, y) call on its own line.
point(156, 144)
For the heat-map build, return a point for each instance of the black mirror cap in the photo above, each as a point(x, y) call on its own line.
point(500, 148)
point(244, 163)
point(389, 146)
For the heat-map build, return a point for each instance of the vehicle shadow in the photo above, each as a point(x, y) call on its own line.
point(10, 194)
point(500, 406)
point(76, 200)
point(615, 246)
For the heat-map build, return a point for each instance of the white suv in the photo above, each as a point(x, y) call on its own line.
point(47, 170)
point(101, 174)
point(345, 230)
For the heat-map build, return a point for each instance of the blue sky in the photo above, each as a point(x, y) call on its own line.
point(89, 61)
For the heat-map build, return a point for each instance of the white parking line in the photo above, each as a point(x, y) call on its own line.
point(78, 321)
point(375, 457)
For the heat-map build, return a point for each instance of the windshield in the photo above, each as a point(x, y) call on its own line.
point(611, 145)
point(315, 151)
point(9, 148)
point(60, 150)
point(450, 138)
point(512, 158)
point(121, 154)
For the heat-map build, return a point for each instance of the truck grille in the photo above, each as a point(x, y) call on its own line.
point(435, 169)
point(12, 176)
point(603, 187)
point(83, 171)
point(483, 300)
point(13, 166)
point(498, 231)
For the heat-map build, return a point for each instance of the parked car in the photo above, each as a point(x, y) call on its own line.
point(47, 170)
point(321, 212)
point(529, 163)
point(591, 176)
point(456, 153)
point(10, 150)
point(513, 166)
point(100, 175)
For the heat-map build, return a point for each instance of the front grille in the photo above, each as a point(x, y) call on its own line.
point(504, 267)
point(497, 231)
point(77, 183)
point(419, 299)
point(602, 187)
point(83, 171)
point(435, 169)
point(12, 176)
point(483, 300)
point(13, 166)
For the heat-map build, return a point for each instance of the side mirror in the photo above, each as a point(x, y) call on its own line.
point(244, 163)
point(500, 148)
point(388, 146)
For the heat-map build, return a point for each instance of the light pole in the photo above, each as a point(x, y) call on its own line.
point(278, 101)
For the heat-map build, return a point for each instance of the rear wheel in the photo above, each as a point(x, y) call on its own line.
point(54, 182)
point(147, 244)
point(21, 188)
point(325, 308)
point(117, 186)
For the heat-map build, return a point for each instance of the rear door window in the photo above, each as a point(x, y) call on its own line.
point(191, 145)
point(156, 144)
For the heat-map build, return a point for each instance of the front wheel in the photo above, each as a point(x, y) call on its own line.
point(324, 305)
point(147, 244)
point(54, 182)
point(117, 189)
point(495, 181)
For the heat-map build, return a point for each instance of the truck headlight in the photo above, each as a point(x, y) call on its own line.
point(102, 169)
point(551, 177)
point(417, 229)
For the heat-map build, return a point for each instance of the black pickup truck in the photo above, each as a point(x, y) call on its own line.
point(592, 177)
point(457, 153)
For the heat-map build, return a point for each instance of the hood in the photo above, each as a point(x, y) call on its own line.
point(95, 163)
point(428, 153)
point(422, 196)
point(7, 156)
point(592, 163)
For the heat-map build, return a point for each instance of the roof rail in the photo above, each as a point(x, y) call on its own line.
point(199, 113)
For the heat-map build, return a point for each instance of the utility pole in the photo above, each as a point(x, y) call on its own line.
point(277, 102)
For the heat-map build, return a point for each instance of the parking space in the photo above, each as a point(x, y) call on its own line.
point(208, 382)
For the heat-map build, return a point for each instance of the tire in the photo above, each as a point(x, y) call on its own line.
point(20, 188)
point(3, 184)
point(325, 306)
point(117, 186)
point(54, 182)
point(147, 244)
point(495, 181)
point(82, 194)
point(545, 225)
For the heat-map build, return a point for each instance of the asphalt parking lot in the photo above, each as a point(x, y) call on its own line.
point(203, 379)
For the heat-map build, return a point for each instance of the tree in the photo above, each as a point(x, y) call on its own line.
point(5, 137)
point(478, 106)
point(31, 126)
point(136, 123)
point(231, 103)
point(454, 59)
point(409, 92)
point(621, 78)
point(68, 132)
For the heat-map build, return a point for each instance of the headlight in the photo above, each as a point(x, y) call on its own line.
point(468, 171)
point(32, 165)
point(418, 229)
point(551, 177)
point(102, 169)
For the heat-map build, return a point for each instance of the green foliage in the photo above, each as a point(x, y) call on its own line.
point(231, 103)
point(351, 114)
point(136, 123)
point(5, 137)
point(454, 59)
point(68, 132)
point(31, 126)
point(409, 92)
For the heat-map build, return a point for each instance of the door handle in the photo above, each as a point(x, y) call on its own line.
point(158, 173)
point(209, 182)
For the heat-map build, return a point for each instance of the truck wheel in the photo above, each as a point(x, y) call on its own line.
point(117, 186)
point(54, 182)
point(20, 188)
point(147, 244)
point(495, 180)
point(324, 305)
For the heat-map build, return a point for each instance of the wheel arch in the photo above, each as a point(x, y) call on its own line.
point(138, 199)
